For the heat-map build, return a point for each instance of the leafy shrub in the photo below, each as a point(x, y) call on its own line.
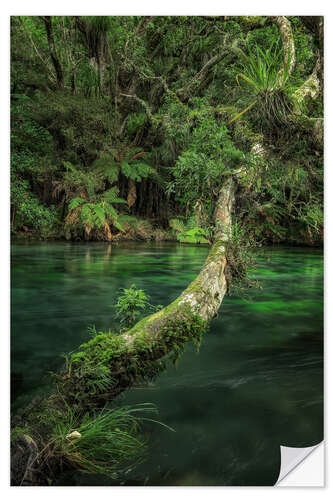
point(198, 171)
point(28, 212)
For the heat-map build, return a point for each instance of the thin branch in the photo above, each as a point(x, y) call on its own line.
point(197, 80)
point(142, 102)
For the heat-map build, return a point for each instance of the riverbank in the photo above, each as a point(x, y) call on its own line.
point(159, 234)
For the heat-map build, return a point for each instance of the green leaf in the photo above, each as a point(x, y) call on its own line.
point(75, 202)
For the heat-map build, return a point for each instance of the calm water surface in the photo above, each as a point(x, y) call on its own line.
point(256, 384)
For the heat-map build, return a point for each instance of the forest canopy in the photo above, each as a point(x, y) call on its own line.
point(125, 127)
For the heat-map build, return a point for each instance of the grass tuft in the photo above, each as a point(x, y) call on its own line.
point(106, 443)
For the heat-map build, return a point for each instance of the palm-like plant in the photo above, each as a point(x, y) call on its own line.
point(129, 162)
point(90, 206)
point(97, 213)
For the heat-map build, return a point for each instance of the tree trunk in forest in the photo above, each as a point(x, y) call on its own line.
point(55, 60)
point(309, 90)
point(148, 341)
point(289, 57)
point(131, 196)
point(312, 87)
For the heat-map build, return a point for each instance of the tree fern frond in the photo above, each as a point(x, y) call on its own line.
point(108, 166)
point(86, 211)
point(111, 172)
point(111, 196)
point(144, 169)
point(136, 170)
point(118, 225)
point(128, 170)
point(99, 215)
point(75, 202)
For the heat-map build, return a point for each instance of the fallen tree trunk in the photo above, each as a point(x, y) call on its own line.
point(122, 360)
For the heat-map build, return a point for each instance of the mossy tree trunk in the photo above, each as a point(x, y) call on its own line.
point(289, 57)
point(137, 354)
point(312, 87)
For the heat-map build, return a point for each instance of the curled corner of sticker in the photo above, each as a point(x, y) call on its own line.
point(291, 458)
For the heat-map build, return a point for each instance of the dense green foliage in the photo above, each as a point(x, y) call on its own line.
point(143, 117)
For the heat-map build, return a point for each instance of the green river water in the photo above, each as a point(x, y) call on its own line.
point(256, 384)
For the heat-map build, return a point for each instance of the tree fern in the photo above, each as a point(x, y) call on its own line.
point(75, 202)
point(107, 165)
point(94, 215)
point(136, 170)
point(111, 196)
point(128, 162)
point(188, 232)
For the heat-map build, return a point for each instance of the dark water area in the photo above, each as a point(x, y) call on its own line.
point(256, 384)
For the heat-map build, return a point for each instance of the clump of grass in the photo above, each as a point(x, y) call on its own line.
point(107, 443)
point(266, 77)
